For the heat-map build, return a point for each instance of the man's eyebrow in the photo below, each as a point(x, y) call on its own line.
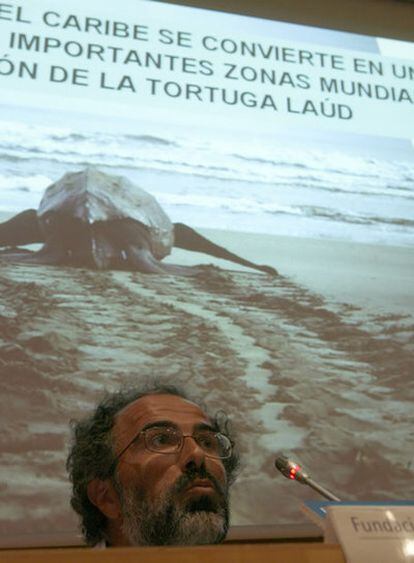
point(159, 424)
point(170, 424)
point(205, 426)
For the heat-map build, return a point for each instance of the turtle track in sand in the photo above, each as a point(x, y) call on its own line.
point(281, 360)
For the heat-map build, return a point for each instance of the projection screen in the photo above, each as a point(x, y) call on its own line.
point(289, 146)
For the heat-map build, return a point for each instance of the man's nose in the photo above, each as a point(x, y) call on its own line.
point(192, 454)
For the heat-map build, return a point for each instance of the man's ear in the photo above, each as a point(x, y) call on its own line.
point(104, 496)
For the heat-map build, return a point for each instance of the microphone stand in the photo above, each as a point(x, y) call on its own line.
point(306, 480)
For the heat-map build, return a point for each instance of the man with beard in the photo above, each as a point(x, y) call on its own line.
point(150, 467)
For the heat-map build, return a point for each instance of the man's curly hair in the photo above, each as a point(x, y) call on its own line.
point(92, 452)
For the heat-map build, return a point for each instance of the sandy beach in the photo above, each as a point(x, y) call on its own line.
point(374, 277)
point(316, 363)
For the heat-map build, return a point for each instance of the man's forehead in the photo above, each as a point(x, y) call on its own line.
point(153, 407)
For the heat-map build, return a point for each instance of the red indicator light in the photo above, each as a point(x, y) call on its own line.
point(293, 471)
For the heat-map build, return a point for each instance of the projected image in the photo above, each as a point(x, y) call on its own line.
point(270, 271)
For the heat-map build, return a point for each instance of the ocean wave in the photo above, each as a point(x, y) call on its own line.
point(269, 161)
point(151, 140)
point(395, 221)
point(292, 169)
point(309, 167)
point(35, 183)
point(370, 192)
point(337, 216)
point(212, 172)
point(46, 140)
point(146, 162)
point(399, 188)
point(62, 137)
point(39, 133)
point(234, 205)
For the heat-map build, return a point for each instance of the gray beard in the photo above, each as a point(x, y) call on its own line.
point(162, 522)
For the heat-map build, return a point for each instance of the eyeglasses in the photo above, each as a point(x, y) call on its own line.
point(171, 440)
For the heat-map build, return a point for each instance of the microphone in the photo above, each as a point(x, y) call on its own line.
point(292, 470)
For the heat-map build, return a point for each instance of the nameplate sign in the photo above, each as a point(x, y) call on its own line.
point(382, 534)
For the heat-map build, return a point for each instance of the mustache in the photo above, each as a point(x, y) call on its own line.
point(185, 480)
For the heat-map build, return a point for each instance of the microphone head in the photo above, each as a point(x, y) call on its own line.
point(289, 469)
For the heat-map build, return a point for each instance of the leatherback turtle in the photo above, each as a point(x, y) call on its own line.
point(96, 220)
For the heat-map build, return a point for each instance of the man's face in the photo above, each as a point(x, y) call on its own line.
point(175, 498)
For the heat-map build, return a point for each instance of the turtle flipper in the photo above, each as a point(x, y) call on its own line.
point(187, 238)
point(21, 229)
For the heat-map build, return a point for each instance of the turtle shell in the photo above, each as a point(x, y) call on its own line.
point(91, 196)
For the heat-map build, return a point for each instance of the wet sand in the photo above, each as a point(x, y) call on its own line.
point(371, 276)
point(316, 362)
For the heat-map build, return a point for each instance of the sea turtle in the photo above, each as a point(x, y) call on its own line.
point(97, 220)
